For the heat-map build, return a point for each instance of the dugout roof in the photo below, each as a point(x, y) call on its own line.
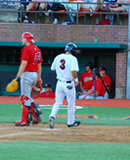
point(117, 46)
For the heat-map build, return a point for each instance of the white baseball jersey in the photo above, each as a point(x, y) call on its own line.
point(64, 64)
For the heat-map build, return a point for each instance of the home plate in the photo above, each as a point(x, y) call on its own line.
point(49, 129)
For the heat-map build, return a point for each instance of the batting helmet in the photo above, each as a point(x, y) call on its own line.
point(95, 73)
point(90, 64)
point(72, 48)
point(28, 36)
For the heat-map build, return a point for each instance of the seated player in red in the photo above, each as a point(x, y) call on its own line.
point(86, 79)
point(48, 93)
point(99, 91)
point(106, 79)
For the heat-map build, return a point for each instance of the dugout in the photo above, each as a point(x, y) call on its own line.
point(101, 54)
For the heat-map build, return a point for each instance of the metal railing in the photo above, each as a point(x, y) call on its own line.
point(17, 3)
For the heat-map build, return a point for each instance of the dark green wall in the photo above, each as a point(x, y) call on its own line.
point(9, 71)
point(10, 61)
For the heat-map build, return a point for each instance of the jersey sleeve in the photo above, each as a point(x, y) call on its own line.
point(74, 65)
point(53, 66)
point(108, 81)
point(25, 54)
point(98, 88)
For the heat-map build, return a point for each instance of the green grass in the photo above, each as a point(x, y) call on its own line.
point(37, 150)
point(9, 113)
point(21, 150)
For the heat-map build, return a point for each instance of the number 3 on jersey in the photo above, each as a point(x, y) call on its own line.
point(62, 66)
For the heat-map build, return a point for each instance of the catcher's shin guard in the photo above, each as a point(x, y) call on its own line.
point(37, 118)
point(37, 109)
point(24, 120)
point(33, 113)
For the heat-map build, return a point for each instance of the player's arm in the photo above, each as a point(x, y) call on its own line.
point(39, 72)
point(97, 93)
point(74, 74)
point(81, 86)
point(22, 68)
point(53, 66)
point(86, 93)
point(89, 93)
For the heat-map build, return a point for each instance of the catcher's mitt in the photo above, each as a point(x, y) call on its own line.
point(36, 89)
point(12, 86)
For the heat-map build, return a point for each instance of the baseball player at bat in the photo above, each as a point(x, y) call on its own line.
point(29, 73)
point(66, 67)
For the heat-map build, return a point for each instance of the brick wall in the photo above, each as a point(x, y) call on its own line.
point(61, 33)
point(121, 69)
point(75, 33)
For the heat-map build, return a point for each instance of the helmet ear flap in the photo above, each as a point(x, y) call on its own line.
point(72, 50)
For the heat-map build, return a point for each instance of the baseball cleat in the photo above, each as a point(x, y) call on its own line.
point(37, 121)
point(75, 124)
point(20, 123)
point(51, 122)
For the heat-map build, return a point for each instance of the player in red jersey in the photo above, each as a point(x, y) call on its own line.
point(86, 79)
point(100, 89)
point(47, 93)
point(29, 73)
point(106, 79)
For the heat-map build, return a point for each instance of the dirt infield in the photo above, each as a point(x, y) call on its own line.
point(82, 133)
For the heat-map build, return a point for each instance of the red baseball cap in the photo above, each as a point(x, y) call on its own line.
point(102, 69)
point(47, 85)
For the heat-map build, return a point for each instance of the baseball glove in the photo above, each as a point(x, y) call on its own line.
point(36, 89)
point(12, 86)
point(38, 86)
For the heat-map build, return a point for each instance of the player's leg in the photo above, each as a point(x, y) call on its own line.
point(25, 100)
point(27, 80)
point(26, 114)
point(43, 5)
point(92, 97)
point(106, 95)
point(21, 15)
point(59, 99)
point(60, 94)
point(31, 5)
point(36, 111)
point(71, 96)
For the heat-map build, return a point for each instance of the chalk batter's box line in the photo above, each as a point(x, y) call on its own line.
point(126, 118)
point(78, 116)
